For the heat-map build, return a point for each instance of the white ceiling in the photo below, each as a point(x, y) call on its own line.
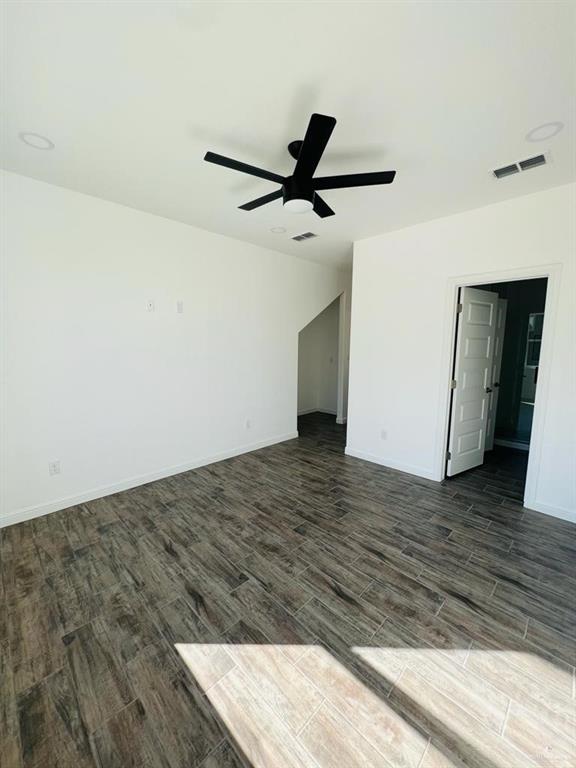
point(133, 94)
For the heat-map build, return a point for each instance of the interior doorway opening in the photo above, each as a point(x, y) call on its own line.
point(495, 374)
point(318, 363)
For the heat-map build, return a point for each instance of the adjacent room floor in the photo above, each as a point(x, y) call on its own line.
point(291, 607)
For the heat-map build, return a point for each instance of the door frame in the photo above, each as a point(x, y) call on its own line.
point(553, 273)
point(343, 359)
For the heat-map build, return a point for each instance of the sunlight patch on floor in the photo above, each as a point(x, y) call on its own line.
point(464, 697)
point(297, 705)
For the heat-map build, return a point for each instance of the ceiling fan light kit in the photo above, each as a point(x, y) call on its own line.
point(299, 191)
point(297, 198)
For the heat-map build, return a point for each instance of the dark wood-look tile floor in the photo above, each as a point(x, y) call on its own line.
point(292, 607)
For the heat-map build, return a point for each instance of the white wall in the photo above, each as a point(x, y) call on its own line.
point(318, 362)
point(402, 319)
point(120, 395)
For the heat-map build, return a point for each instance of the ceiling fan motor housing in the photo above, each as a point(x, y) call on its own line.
point(297, 196)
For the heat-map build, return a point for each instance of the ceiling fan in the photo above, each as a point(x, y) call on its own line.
point(300, 190)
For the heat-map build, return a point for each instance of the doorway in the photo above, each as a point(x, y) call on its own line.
point(318, 363)
point(495, 373)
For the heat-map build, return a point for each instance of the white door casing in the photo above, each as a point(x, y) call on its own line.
point(472, 373)
point(496, 367)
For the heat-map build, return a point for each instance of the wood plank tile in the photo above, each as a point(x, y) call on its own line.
point(259, 732)
point(286, 590)
point(52, 728)
point(225, 756)
point(273, 620)
point(535, 602)
point(341, 639)
point(183, 722)
point(543, 744)
point(99, 679)
point(9, 731)
point(222, 571)
point(559, 644)
point(35, 634)
point(390, 580)
point(383, 552)
point(370, 713)
point(341, 600)
point(348, 575)
point(187, 634)
point(454, 732)
point(333, 742)
point(211, 602)
point(127, 622)
point(284, 688)
point(128, 740)
point(526, 683)
point(52, 545)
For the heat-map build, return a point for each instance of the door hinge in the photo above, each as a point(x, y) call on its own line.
point(448, 455)
point(458, 307)
point(453, 384)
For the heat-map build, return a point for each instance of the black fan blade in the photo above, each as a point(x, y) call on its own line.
point(261, 201)
point(322, 208)
point(354, 180)
point(236, 165)
point(318, 132)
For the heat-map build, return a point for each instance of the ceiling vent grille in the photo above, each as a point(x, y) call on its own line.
point(506, 170)
point(523, 165)
point(532, 162)
point(304, 236)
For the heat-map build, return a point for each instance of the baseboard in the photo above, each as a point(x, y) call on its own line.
point(28, 513)
point(547, 509)
point(316, 410)
point(341, 421)
point(410, 469)
point(512, 444)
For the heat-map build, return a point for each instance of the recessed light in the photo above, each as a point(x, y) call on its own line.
point(278, 230)
point(545, 131)
point(35, 140)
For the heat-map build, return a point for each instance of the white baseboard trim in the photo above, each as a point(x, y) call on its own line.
point(410, 469)
point(547, 509)
point(316, 410)
point(28, 513)
point(512, 444)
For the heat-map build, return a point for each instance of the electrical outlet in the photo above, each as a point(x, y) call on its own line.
point(180, 307)
point(54, 468)
point(248, 424)
point(150, 305)
point(383, 434)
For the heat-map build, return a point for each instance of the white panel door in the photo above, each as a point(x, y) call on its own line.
point(473, 371)
point(496, 367)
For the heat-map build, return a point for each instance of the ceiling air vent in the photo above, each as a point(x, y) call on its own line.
point(304, 236)
point(532, 162)
point(523, 165)
point(507, 170)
